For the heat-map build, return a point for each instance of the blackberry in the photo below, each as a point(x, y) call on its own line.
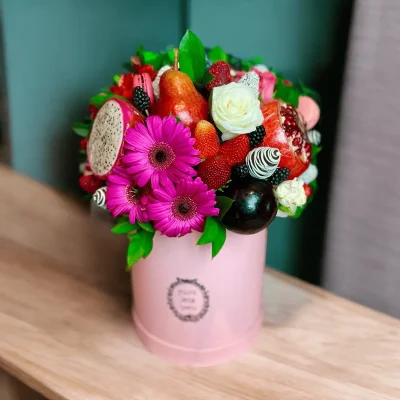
point(240, 171)
point(257, 136)
point(141, 100)
point(280, 175)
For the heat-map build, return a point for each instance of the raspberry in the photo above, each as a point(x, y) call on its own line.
point(307, 190)
point(141, 99)
point(207, 141)
point(257, 136)
point(240, 171)
point(90, 183)
point(235, 150)
point(221, 71)
point(214, 172)
point(280, 175)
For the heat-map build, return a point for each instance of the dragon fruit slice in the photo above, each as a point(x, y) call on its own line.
point(106, 138)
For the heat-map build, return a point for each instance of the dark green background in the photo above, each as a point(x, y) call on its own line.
point(60, 52)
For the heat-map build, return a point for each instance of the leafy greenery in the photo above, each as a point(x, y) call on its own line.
point(123, 226)
point(99, 99)
point(247, 64)
point(82, 128)
point(192, 58)
point(289, 94)
point(217, 54)
point(214, 233)
point(140, 237)
point(224, 204)
point(147, 226)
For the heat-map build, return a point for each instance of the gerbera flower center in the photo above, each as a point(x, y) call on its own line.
point(133, 193)
point(161, 156)
point(184, 208)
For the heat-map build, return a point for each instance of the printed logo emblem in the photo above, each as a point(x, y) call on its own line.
point(188, 300)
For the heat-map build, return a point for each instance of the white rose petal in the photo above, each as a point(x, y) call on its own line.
point(291, 194)
point(235, 110)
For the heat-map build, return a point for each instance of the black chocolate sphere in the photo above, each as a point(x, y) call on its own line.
point(254, 206)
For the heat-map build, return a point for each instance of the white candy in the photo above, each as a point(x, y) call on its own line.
point(156, 82)
point(314, 137)
point(252, 80)
point(263, 161)
point(99, 197)
point(261, 68)
point(310, 174)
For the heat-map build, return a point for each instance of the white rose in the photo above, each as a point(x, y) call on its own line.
point(291, 194)
point(235, 110)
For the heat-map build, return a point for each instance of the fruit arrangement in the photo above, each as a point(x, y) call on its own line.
point(196, 139)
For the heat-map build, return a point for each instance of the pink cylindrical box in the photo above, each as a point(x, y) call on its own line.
point(196, 311)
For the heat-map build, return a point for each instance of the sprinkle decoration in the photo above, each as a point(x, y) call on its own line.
point(252, 80)
point(263, 161)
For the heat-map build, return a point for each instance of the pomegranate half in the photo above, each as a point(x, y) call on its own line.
point(285, 131)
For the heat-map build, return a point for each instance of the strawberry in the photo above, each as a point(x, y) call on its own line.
point(90, 183)
point(214, 172)
point(207, 141)
point(83, 143)
point(307, 189)
point(221, 71)
point(235, 150)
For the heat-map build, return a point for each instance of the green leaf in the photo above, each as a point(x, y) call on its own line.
point(147, 226)
point(217, 54)
point(116, 78)
point(154, 59)
point(99, 99)
point(81, 129)
point(289, 94)
point(219, 241)
point(135, 253)
point(224, 204)
point(192, 59)
point(305, 90)
point(123, 227)
point(247, 64)
point(314, 151)
point(207, 78)
point(214, 233)
point(210, 231)
point(146, 242)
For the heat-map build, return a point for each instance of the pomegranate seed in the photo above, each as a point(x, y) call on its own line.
point(298, 151)
point(307, 147)
point(296, 141)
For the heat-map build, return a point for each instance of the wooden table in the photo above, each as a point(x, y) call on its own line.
point(66, 331)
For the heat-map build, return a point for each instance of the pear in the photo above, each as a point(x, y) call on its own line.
point(179, 97)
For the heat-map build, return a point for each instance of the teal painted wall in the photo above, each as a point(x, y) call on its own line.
point(298, 37)
point(58, 53)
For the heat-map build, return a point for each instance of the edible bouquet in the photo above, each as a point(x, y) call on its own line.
point(194, 139)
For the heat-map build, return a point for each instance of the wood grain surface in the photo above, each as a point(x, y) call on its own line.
point(66, 330)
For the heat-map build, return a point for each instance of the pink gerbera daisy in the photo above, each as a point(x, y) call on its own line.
point(160, 151)
point(176, 210)
point(123, 196)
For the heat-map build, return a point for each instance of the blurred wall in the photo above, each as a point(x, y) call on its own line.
point(58, 53)
point(303, 39)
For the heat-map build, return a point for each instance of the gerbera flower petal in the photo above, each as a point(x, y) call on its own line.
point(177, 209)
point(160, 152)
point(123, 197)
